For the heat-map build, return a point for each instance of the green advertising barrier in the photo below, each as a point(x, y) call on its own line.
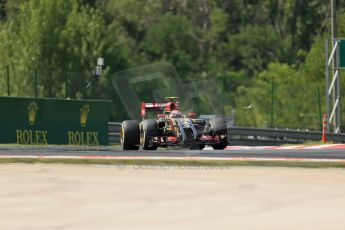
point(54, 121)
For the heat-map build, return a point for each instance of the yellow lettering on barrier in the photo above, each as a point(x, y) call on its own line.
point(77, 139)
point(95, 135)
point(44, 136)
point(70, 138)
point(88, 137)
point(82, 138)
point(30, 137)
point(19, 136)
point(38, 135)
point(26, 138)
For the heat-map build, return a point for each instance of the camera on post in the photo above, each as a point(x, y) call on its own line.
point(96, 73)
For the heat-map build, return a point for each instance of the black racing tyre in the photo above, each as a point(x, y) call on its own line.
point(129, 135)
point(197, 147)
point(218, 127)
point(220, 145)
point(149, 129)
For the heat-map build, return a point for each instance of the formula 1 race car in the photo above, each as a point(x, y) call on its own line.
point(171, 128)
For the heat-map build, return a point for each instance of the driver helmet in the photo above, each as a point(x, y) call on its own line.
point(175, 114)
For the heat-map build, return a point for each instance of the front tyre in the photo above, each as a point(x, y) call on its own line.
point(149, 130)
point(129, 135)
point(197, 147)
point(218, 127)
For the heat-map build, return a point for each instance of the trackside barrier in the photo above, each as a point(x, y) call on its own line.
point(46, 121)
point(254, 136)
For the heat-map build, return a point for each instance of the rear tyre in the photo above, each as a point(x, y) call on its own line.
point(218, 127)
point(149, 129)
point(197, 147)
point(129, 135)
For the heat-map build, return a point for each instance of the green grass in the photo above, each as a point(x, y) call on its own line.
point(318, 143)
point(144, 162)
point(307, 143)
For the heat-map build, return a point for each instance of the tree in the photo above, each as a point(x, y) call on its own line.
point(171, 40)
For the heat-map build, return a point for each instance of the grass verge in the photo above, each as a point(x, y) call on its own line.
point(185, 163)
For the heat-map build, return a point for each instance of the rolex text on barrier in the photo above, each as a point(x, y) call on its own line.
point(37, 121)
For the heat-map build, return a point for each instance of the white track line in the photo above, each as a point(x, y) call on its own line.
point(173, 158)
point(299, 147)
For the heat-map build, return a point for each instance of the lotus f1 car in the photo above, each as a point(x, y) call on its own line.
point(171, 128)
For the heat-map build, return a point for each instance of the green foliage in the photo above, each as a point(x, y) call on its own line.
point(246, 44)
point(171, 40)
point(58, 37)
point(288, 91)
point(254, 47)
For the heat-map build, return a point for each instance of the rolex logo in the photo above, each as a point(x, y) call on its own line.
point(84, 112)
point(32, 109)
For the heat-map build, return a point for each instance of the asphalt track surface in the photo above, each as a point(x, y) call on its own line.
point(113, 151)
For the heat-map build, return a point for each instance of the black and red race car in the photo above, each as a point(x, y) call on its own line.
point(170, 128)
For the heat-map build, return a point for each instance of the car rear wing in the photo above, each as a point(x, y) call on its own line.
point(158, 106)
point(153, 106)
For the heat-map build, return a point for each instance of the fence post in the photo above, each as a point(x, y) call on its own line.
point(324, 128)
point(92, 91)
point(171, 87)
point(36, 82)
point(66, 84)
point(319, 100)
point(197, 99)
point(223, 91)
point(8, 80)
point(145, 89)
point(272, 103)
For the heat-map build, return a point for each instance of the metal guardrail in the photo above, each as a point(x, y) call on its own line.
point(254, 136)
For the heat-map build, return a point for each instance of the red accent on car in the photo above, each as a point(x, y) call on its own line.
point(192, 115)
point(206, 137)
point(172, 139)
point(143, 109)
point(160, 116)
point(216, 138)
